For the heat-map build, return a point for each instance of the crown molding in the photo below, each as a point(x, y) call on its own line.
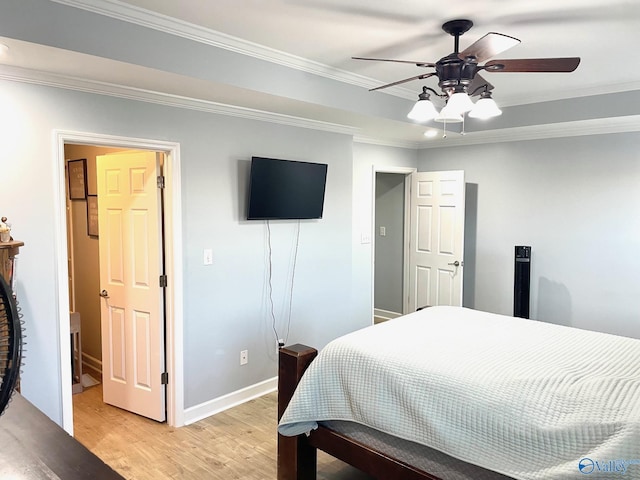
point(36, 77)
point(597, 126)
point(387, 143)
point(146, 18)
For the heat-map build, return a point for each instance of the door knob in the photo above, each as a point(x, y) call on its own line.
point(104, 294)
point(455, 264)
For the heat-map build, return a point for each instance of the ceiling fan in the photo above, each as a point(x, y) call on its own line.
point(459, 70)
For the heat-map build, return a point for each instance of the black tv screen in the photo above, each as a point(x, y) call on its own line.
point(285, 189)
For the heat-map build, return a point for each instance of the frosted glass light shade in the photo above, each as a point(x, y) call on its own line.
point(460, 103)
point(485, 108)
point(448, 116)
point(422, 111)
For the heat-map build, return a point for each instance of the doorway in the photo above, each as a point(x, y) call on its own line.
point(173, 266)
point(389, 234)
point(390, 237)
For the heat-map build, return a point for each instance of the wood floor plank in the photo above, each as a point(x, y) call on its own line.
point(239, 443)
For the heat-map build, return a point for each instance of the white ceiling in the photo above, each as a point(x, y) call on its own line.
point(604, 33)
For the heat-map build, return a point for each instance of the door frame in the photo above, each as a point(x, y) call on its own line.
point(174, 345)
point(406, 171)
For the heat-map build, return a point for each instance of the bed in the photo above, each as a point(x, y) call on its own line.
point(453, 393)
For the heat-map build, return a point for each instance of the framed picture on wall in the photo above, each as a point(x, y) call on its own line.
point(77, 179)
point(92, 215)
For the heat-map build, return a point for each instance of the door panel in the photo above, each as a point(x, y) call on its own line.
point(436, 240)
point(130, 246)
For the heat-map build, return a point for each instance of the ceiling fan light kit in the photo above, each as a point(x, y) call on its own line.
point(485, 108)
point(459, 101)
point(424, 109)
point(448, 115)
point(459, 80)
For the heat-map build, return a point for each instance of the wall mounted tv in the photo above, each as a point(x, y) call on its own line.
point(285, 189)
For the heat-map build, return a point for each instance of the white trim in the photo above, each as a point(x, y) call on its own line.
point(596, 126)
point(406, 254)
point(233, 399)
point(386, 143)
point(61, 274)
point(89, 361)
point(386, 314)
point(180, 28)
point(24, 75)
point(173, 240)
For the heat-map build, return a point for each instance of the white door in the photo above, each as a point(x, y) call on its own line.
point(132, 313)
point(437, 239)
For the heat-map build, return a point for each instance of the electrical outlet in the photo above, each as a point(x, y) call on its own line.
point(244, 357)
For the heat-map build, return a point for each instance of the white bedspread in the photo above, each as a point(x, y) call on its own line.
point(524, 398)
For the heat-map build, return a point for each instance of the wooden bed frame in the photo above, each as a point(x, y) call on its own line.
point(297, 456)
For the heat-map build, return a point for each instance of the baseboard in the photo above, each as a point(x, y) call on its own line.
point(91, 363)
point(233, 399)
point(385, 314)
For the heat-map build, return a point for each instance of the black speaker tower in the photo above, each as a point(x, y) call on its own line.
point(521, 282)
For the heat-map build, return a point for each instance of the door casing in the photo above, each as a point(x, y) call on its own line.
point(173, 267)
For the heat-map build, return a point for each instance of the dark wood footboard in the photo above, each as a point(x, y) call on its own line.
point(297, 456)
point(297, 459)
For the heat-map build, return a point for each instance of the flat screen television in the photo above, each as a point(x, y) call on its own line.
point(285, 189)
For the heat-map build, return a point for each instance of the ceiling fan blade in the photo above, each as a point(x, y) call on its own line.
point(568, 64)
point(418, 64)
point(488, 46)
point(417, 77)
point(477, 82)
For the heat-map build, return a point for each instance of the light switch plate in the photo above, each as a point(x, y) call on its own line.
point(207, 257)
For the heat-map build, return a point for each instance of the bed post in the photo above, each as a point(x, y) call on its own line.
point(296, 458)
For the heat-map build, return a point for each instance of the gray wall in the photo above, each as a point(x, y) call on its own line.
point(225, 304)
point(389, 249)
point(576, 202)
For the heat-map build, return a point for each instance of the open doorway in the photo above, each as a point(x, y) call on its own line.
point(173, 267)
point(116, 261)
point(389, 234)
point(390, 237)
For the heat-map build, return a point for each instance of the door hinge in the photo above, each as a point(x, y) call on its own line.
point(164, 378)
point(160, 181)
point(163, 281)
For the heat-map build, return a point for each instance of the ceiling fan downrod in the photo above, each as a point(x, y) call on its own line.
point(457, 28)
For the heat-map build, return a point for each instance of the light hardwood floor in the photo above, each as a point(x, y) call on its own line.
point(239, 443)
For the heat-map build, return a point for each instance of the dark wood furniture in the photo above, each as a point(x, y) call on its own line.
point(8, 251)
point(33, 447)
point(297, 456)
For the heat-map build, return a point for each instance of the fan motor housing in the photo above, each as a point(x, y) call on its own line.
point(453, 71)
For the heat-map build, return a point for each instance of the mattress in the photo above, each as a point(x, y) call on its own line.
point(527, 399)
